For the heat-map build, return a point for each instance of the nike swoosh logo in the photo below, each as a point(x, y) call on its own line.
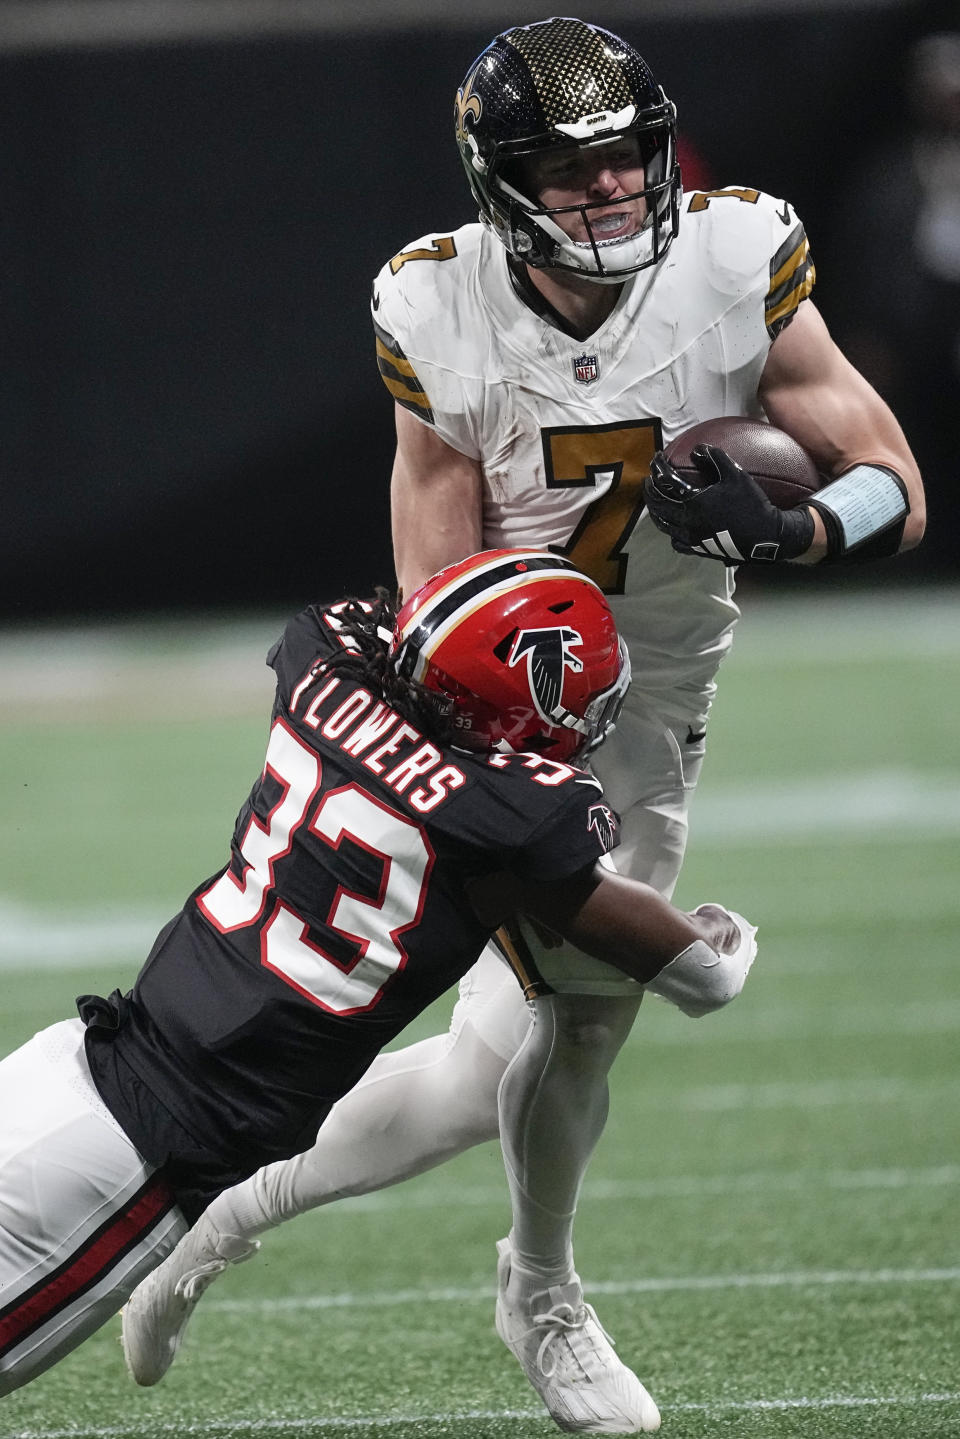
point(784, 214)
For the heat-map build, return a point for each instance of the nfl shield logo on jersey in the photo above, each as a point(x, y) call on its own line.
point(585, 368)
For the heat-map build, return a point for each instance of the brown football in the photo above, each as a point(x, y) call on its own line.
point(781, 467)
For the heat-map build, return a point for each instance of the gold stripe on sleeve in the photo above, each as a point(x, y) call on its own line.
point(787, 306)
point(792, 278)
point(797, 257)
point(400, 377)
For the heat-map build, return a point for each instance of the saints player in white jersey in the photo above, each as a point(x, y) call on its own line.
point(540, 359)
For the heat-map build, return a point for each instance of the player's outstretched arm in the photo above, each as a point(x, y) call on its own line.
point(697, 960)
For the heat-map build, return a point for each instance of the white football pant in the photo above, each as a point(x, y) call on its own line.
point(82, 1217)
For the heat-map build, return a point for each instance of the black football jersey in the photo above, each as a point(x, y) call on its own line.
point(341, 915)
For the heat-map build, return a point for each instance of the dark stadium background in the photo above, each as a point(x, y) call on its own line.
point(190, 411)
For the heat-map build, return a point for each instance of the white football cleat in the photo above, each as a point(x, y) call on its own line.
point(569, 1358)
point(159, 1309)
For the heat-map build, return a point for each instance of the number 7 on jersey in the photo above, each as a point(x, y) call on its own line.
point(578, 455)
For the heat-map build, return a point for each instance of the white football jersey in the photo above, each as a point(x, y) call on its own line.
point(565, 429)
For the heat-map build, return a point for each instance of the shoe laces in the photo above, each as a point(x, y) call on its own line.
point(560, 1325)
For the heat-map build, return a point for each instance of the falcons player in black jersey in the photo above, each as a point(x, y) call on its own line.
point(422, 784)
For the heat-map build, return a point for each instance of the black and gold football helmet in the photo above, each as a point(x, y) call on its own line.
point(566, 83)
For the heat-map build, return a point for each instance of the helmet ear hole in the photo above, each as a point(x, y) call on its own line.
point(502, 649)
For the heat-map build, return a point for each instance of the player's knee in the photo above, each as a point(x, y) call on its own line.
point(586, 1031)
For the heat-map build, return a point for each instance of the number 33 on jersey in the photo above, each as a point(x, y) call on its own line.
point(333, 885)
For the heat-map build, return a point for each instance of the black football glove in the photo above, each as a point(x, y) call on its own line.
point(730, 518)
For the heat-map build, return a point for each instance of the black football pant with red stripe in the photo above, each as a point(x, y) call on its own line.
point(82, 1217)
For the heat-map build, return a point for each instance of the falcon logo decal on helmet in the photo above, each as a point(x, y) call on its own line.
point(547, 653)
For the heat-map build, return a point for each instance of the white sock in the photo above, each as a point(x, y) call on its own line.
point(553, 1106)
point(413, 1109)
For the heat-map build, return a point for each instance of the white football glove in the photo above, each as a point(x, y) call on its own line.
point(700, 980)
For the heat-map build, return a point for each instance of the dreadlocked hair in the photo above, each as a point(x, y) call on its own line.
point(364, 631)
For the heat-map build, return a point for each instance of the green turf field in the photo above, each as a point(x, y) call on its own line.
point(769, 1229)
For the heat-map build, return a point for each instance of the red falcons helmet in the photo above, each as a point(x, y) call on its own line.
point(523, 649)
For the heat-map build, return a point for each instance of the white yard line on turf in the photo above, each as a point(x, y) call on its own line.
point(887, 806)
point(191, 668)
point(800, 1279)
point(882, 804)
point(812, 1094)
point(468, 1416)
point(680, 1186)
point(754, 1024)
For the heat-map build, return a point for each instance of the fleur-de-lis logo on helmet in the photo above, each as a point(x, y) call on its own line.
point(466, 104)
